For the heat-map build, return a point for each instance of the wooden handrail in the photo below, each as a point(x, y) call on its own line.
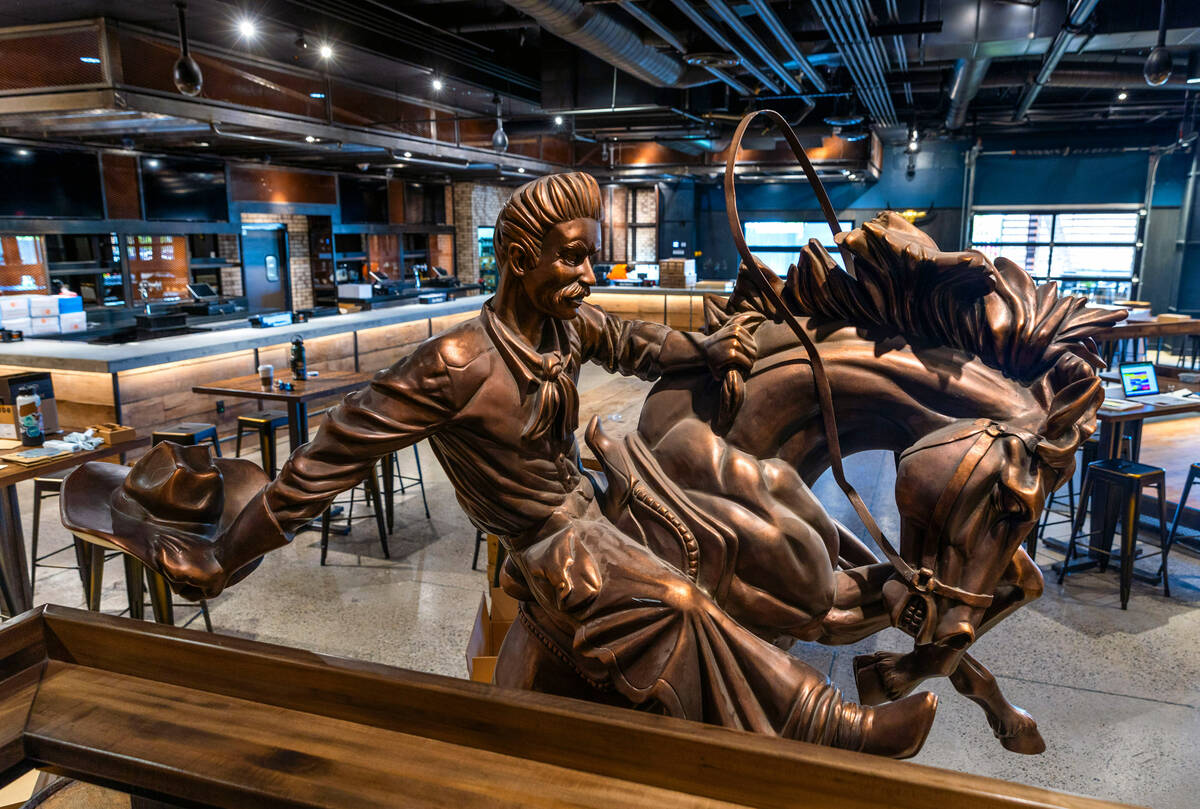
point(218, 721)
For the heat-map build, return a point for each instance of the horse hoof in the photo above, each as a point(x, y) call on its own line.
point(1026, 739)
point(870, 677)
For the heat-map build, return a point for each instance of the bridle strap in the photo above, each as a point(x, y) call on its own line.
point(920, 580)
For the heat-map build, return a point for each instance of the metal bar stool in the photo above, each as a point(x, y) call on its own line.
point(188, 434)
point(1090, 450)
point(264, 423)
point(392, 475)
point(1124, 479)
point(44, 487)
point(1193, 476)
point(92, 554)
point(371, 484)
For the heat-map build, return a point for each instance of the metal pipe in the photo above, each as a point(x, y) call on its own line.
point(968, 77)
point(1078, 16)
point(833, 23)
point(657, 26)
point(701, 22)
point(875, 58)
point(742, 30)
point(784, 37)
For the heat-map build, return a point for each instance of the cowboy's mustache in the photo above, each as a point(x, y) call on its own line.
point(572, 291)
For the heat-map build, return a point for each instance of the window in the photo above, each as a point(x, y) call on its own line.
point(1089, 253)
point(778, 244)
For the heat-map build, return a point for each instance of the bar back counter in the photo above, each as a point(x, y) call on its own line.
point(148, 385)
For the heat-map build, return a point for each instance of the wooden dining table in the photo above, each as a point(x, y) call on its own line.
point(329, 383)
point(16, 575)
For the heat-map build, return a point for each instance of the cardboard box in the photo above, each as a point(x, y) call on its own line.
point(72, 322)
point(491, 627)
point(357, 291)
point(13, 306)
point(43, 326)
point(20, 324)
point(43, 306)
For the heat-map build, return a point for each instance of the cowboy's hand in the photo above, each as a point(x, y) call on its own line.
point(731, 347)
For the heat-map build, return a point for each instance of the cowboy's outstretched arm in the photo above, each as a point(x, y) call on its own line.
point(648, 350)
point(401, 406)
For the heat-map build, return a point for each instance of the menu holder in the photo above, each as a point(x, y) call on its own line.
point(112, 433)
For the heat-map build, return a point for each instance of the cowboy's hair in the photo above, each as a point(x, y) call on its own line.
point(539, 205)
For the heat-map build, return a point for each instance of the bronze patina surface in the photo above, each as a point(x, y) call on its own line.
point(671, 581)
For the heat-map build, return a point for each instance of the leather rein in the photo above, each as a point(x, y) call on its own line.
point(920, 580)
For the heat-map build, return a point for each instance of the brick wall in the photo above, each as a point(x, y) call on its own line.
point(299, 268)
point(475, 205)
point(231, 277)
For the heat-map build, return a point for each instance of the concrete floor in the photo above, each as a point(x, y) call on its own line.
point(1116, 694)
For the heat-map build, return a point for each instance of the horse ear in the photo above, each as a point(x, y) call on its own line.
point(1071, 405)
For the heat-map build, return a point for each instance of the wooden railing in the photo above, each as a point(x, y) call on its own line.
point(206, 720)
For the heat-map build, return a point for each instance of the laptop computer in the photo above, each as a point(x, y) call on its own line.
point(1139, 380)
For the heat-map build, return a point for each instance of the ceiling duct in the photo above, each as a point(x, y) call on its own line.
point(735, 22)
point(604, 37)
point(650, 21)
point(710, 30)
point(1078, 16)
point(968, 77)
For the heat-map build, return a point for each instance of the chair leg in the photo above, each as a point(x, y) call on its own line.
point(478, 542)
point(390, 468)
point(135, 586)
point(237, 453)
point(95, 575)
point(421, 480)
point(372, 484)
point(206, 616)
point(216, 442)
point(1164, 542)
point(33, 539)
point(160, 599)
point(325, 519)
point(266, 438)
point(1129, 530)
point(1076, 526)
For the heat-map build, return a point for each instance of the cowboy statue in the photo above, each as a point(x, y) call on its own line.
point(627, 597)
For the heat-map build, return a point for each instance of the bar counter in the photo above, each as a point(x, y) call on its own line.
point(148, 384)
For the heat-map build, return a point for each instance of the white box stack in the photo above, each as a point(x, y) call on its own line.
point(677, 273)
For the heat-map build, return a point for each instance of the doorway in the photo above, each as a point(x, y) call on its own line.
point(265, 267)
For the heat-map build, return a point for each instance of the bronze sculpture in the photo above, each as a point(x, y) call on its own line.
point(664, 582)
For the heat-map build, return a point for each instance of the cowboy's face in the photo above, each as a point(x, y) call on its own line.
point(561, 276)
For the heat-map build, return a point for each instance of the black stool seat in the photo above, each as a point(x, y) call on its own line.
point(264, 422)
point(1123, 481)
point(188, 433)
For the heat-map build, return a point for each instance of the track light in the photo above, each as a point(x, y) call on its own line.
point(520, 170)
point(326, 50)
point(247, 28)
point(309, 139)
point(499, 137)
point(1121, 96)
point(408, 154)
point(558, 120)
point(186, 73)
point(437, 83)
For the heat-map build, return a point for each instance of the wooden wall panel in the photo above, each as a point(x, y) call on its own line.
point(121, 192)
point(255, 184)
point(441, 324)
point(395, 191)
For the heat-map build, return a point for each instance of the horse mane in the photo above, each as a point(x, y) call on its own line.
point(904, 285)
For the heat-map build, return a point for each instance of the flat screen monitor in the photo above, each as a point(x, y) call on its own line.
point(1139, 379)
point(202, 291)
point(49, 183)
point(184, 190)
point(364, 200)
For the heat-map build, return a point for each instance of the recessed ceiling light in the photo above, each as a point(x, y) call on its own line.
point(408, 154)
point(23, 152)
point(152, 163)
point(558, 120)
point(247, 28)
point(316, 95)
point(520, 170)
point(437, 83)
point(326, 51)
point(90, 60)
point(309, 139)
point(1121, 96)
point(202, 143)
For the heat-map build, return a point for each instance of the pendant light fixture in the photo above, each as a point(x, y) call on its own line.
point(188, 79)
point(499, 137)
point(1158, 64)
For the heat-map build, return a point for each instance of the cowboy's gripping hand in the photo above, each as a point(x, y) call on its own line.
point(731, 347)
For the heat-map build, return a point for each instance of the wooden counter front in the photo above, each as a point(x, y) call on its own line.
point(208, 720)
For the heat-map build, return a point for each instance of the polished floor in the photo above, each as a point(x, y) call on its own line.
point(1116, 693)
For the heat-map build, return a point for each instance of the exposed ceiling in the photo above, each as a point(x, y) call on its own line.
point(680, 72)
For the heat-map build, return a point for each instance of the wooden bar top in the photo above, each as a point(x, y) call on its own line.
point(209, 720)
point(1135, 329)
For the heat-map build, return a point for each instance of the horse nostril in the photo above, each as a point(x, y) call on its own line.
point(960, 637)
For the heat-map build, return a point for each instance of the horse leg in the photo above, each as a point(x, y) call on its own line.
point(1014, 727)
point(885, 676)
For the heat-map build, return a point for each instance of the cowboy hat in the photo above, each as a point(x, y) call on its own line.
point(172, 490)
